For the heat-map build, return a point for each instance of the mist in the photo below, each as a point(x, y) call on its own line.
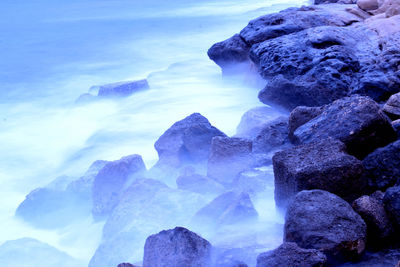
point(54, 51)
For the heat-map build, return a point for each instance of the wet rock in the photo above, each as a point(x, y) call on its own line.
point(383, 258)
point(274, 135)
point(111, 181)
point(357, 121)
point(191, 181)
point(254, 120)
point(317, 219)
point(176, 248)
point(392, 107)
point(302, 115)
point(368, 5)
point(188, 140)
point(227, 209)
point(392, 204)
point(254, 181)
point(289, 254)
point(122, 89)
point(228, 157)
point(373, 213)
point(382, 167)
point(321, 165)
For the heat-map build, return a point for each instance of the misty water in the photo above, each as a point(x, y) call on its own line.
point(54, 51)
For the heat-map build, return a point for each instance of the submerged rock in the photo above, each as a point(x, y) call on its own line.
point(176, 248)
point(122, 89)
point(357, 121)
point(289, 254)
point(321, 165)
point(111, 181)
point(191, 181)
point(188, 140)
point(274, 135)
point(320, 220)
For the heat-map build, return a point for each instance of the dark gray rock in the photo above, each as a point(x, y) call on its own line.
point(289, 254)
point(274, 135)
point(396, 127)
point(382, 167)
point(301, 115)
point(228, 157)
point(191, 181)
point(392, 107)
point(111, 181)
point(373, 213)
point(254, 120)
point(122, 89)
point(357, 121)
point(383, 258)
point(227, 209)
point(178, 247)
point(392, 204)
point(322, 165)
point(188, 140)
point(320, 220)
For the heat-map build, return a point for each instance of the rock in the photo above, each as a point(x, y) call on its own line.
point(188, 140)
point(319, 2)
point(396, 127)
point(321, 165)
point(85, 98)
point(122, 89)
point(317, 219)
point(289, 254)
point(126, 265)
point(228, 157)
point(111, 181)
point(254, 181)
point(382, 167)
point(176, 248)
point(392, 204)
point(254, 120)
point(357, 121)
point(373, 213)
point(392, 107)
point(388, 7)
point(383, 258)
point(301, 115)
point(191, 181)
point(368, 5)
point(227, 209)
point(31, 252)
point(274, 135)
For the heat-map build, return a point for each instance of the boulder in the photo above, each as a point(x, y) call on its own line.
point(254, 120)
point(368, 5)
point(274, 135)
point(382, 167)
point(357, 121)
point(176, 248)
point(226, 209)
point(228, 157)
point(321, 165)
point(289, 254)
point(301, 115)
point(122, 89)
point(392, 204)
point(382, 258)
point(111, 181)
point(319, 2)
point(392, 107)
point(317, 219)
point(373, 212)
point(188, 140)
point(191, 181)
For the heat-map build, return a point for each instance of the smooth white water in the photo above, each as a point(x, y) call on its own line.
point(53, 51)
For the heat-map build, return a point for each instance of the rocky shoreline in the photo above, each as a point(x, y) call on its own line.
point(336, 159)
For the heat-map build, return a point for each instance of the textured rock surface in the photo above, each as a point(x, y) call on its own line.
point(188, 140)
point(320, 220)
point(274, 135)
point(289, 254)
point(392, 204)
point(392, 107)
point(301, 115)
point(176, 248)
point(322, 165)
point(357, 121)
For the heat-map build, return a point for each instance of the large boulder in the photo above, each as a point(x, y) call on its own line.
point(392, 107)
point(111, 181)
point(274, 135)
point(290, 254)
point(321, 165)
point(176, 248)
point(357, 121)
point(317, 219)
point(301, 115)
point(188, 140)
point(392, 204)
point(228, 157)
point(382, 167)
